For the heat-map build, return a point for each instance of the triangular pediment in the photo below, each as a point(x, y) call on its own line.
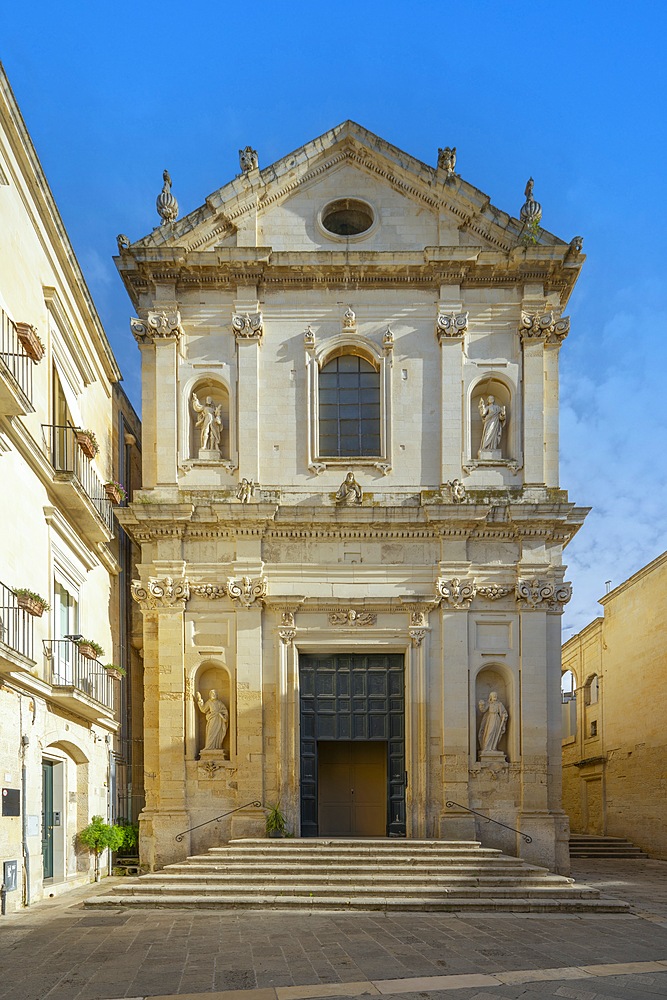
point(280, 206)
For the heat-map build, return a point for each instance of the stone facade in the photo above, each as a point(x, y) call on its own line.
point(614, 751)
point(350, 466)
point(57, 373)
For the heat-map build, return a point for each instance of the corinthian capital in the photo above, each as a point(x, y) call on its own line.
point(157, 326)
point(450, 326)
point(159, 594)
point(543, 326)
point(458, 593)
point(248, 326)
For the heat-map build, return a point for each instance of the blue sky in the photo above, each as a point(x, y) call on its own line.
point(571, 93)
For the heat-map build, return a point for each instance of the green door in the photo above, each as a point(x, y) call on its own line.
point(47, 818)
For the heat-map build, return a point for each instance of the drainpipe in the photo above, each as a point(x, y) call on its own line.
point(25, 742)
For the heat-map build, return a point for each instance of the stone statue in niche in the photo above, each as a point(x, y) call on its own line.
point(217, 719)
point(349, 490)
point(493, 724)
point(209, 424)
point(493, 417)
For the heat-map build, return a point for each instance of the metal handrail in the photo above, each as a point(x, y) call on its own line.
point(70, 669)
point(449, 803)
point(216, 819)
point(15, 358)
point(16, 625)
point(66, 456)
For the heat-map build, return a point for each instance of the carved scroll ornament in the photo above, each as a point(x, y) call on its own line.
point(544, 326)
point(535, 593)
point(157, 326)
point(458, 593)
point(248, 326)
point(158, 594)
point(247, 592)
point(451, 325)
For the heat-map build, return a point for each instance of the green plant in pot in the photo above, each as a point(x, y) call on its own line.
point(98, 836)
point(275, 821)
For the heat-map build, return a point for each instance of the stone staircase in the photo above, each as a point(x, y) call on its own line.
point(319, 874)
point(583, 845)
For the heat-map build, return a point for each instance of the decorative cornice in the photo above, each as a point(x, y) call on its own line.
point(161, 594)
point(248, 327)
point(544, 326)
point(248, 591)
point(352, 618)
point(458, 593)
point(158, 325)
point(451, 326)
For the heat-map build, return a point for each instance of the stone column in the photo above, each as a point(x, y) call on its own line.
point(417, 748)
point(451, 326)
point(541, 334)
point(247, 324)
point(457, 593)
point(165, 815)
point(158, 336)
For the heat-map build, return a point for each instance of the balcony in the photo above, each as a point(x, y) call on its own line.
point(15, 372)
point(79, 489)
point(78, 684)
point(17, 629)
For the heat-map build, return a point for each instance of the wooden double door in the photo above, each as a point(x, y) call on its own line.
point(352, 746)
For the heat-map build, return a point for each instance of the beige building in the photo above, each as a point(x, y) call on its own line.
point(614, 743)
point(58, 707)
point(351, 524)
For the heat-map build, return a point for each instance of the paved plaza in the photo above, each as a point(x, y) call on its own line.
point(57, 950)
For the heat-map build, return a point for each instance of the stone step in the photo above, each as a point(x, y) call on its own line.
point(583, 845)
point(382, 889)
point(277, 881)
point(203, 870)
point(451, 904)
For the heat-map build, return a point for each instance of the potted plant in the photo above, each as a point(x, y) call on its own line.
point(114, 670)
point(31, 343)
point(31, 602)
point(275, 821)
point(88, 648)
point(87, 442)
point(98, 836)
point(115, 492)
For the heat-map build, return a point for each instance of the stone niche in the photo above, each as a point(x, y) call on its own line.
point(212, 675)
point(218, 393)
point(492, 678)
point(492, 386)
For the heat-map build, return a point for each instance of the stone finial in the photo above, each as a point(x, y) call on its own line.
point(248, 159)
point(349, 321)
point(166, 204)
point(123, 242)
point(309, 338)
point(447, 160)
point(531, 211)
point(576, 245)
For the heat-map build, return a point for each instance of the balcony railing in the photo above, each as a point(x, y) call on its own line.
point(14, 357)
point(67, 457)
point(70, 670)
point(16, 626)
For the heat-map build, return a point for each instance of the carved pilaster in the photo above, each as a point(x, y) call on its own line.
point(456, 592)
point(248, 327)
point(543, 326)
point(158, 325)
point(161, 594)
point(451, 326)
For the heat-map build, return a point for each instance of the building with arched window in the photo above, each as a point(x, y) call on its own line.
point(351, 522)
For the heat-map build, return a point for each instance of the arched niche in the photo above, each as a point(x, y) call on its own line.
point(212, 676)
point(205, 388)
point(494, 678)
point(494, 386)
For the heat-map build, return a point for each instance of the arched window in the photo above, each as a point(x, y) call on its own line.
point(349, 408)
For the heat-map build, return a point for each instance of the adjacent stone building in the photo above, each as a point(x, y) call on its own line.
point(614, 744)
point(58, 383)
point(351, 524)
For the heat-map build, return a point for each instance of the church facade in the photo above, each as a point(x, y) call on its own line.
point(351, 524)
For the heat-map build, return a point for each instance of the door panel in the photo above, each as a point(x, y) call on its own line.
point(352, 788)
point(47, 818)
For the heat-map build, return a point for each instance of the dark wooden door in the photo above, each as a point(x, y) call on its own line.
point(352, 788)
point(352, 698)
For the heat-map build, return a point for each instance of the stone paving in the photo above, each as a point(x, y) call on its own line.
point(56, 950)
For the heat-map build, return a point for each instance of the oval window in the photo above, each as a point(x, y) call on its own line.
point(347, 217)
